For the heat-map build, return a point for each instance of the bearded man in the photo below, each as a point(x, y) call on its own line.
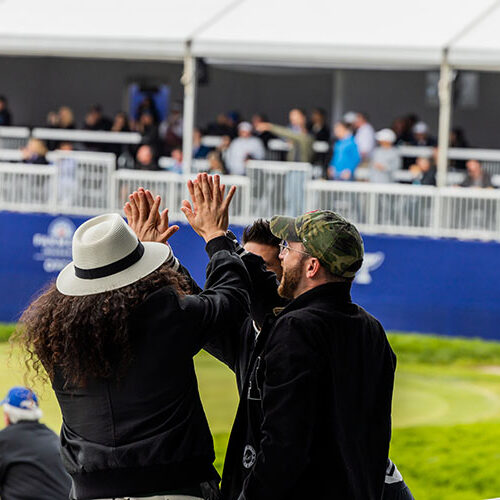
point(314, 419)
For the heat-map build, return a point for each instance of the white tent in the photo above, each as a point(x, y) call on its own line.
point(478, 48)
point(149, 29)
point(355, 33)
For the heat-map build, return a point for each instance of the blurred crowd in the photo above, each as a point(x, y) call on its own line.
point(350, 146)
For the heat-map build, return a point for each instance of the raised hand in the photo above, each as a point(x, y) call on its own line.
point(209, 213)
point(143, 216)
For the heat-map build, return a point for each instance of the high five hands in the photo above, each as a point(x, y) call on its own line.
point(208, 214)
point(143, 216)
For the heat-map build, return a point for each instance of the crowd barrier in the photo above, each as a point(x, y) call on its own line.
point(277, 187)
point(409, 283)
point(87, 183)
point(14, 137)
point(412, 210)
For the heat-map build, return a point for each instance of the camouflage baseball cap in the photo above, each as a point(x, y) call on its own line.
point(326, 235)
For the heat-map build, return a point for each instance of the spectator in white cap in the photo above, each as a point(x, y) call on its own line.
point(386, 159)
point(349, 118)
point(30, 462)
point(421, 135)
point(243, 148)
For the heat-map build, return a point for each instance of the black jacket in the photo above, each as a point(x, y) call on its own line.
point(30, 464)
point(236, 348)
point(314, 420)
point(147, 434)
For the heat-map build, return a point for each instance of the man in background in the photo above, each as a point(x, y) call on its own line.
point(259, 240)
point(476, 176)
point(243, 148)
point(364, 137)
point(421, 135)
point(297, 134)
point(30, 463)
point(145, 158)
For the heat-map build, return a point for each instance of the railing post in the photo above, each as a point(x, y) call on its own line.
point(445, 90)
point(53, 199)
point(372, 204)
point(437, 214)
point(112, 180)
point(189, 81)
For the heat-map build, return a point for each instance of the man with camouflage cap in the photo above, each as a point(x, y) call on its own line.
point(314, 419)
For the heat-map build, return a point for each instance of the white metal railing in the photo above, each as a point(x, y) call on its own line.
point(386, 208)
point(13, 137)
point(211, 141)
point(84, 180)
point(173, 190)
point(489, 158)
point(470, 213)
point(11, 155)
point(27, 187)
point(452, 178)
point(411, 210)
point(95, 136)
point(79, 184)
point(277, 187)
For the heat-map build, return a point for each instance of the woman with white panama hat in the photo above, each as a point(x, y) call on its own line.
point(117, 333)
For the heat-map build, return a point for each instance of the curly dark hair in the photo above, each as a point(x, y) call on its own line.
point(88, 336)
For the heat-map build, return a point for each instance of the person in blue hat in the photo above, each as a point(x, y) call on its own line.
point(30, 461)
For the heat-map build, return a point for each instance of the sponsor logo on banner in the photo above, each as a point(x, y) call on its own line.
point(54, 247)
point(371, 262)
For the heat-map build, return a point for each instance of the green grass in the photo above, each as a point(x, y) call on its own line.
point(430, 349)
point(6, 330)
point(446, 412)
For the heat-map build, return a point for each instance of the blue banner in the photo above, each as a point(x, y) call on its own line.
point(441, 286)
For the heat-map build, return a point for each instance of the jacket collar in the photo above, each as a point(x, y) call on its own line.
point(338, 293)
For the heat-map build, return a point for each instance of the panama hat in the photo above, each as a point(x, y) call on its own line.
point(107, 255)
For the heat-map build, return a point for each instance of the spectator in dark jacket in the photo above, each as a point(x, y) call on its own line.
point(145, 158)
point(34, 152)
point(30, 462)
point(65, 118)
point(5, 116)
point(133, 424)
point(302, 430)
point(121, 123)
point(421, 136)
point(95, 120)
point(423, 171)
point(476, 176)
point(318, 127)
point(199, 150)
point(264, 136)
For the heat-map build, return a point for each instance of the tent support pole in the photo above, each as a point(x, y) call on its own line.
point(189, 81)
point(445, 90)
point(338, 91)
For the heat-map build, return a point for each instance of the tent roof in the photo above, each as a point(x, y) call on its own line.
point(149, 29)
point(312, 33)
point(479, 47)
point(355, 33)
